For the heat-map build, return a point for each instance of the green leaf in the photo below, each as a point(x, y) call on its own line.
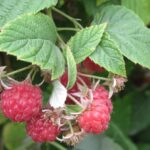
point(142, 8)
point(2, 118)
point(93, 6)
point(72, 71)
point(10, 9)
point(14, 135)
point(73, 108)
point(31, 38)
point(58, 96)
point(97, 142)
point(122, 113)
point(141, 109)
point(128, 31)
point(83, 43)
point(107, 55)
point(144, 135)
point(144, 146)
point(118, 136)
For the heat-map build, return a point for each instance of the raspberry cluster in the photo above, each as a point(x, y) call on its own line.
point(22, 102)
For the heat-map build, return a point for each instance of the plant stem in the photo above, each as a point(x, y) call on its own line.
point(73, 20)
point(61, 40)
point(70, 126)
point(62, 43)
point(67, 29)
point(17, 71)
point(82, 81)
point(57, 145)
point(74, 100)
point(34, 74)
point(93, 76)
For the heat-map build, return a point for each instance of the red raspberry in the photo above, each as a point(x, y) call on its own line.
point(74, 89)
point(101, 94)
point(91, 66)
point(97, 116)
point(21, 102)
point(95, 120)
point(41, 129)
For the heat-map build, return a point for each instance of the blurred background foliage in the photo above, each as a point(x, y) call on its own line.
point(130, 125)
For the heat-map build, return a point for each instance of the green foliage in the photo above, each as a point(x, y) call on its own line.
point(107, 55)
point(85, 41)
point(72, 71)
point(144, 147)
point(14, 135)
point(122, 113)
point(73, 108)
point(141, 109)
point(133, 42)
point(10, 9)
point(142, 8)
point(26, 39)
point(144, 136)
point(94, 6)
point(116, 133)
point(108, 35)
point(98, 142)
point(2, 119)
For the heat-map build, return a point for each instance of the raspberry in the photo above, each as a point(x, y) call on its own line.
point(101, 94)
point(21, 102)
point(96, 117)
point(91, 66)
point(41, 129)
point(74, 89)
point(94, 121)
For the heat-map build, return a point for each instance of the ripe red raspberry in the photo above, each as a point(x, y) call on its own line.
point(21, 102)
point(97, 116)
point(74, 89)
point(91, 66)
point(42, 129)
point(101, 94)
point(95, 120)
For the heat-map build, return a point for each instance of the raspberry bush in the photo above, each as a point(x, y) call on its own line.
point(64, 65)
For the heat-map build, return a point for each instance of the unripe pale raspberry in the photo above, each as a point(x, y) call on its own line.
point(41, 129)
point(21, 102)
point(91, 66)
